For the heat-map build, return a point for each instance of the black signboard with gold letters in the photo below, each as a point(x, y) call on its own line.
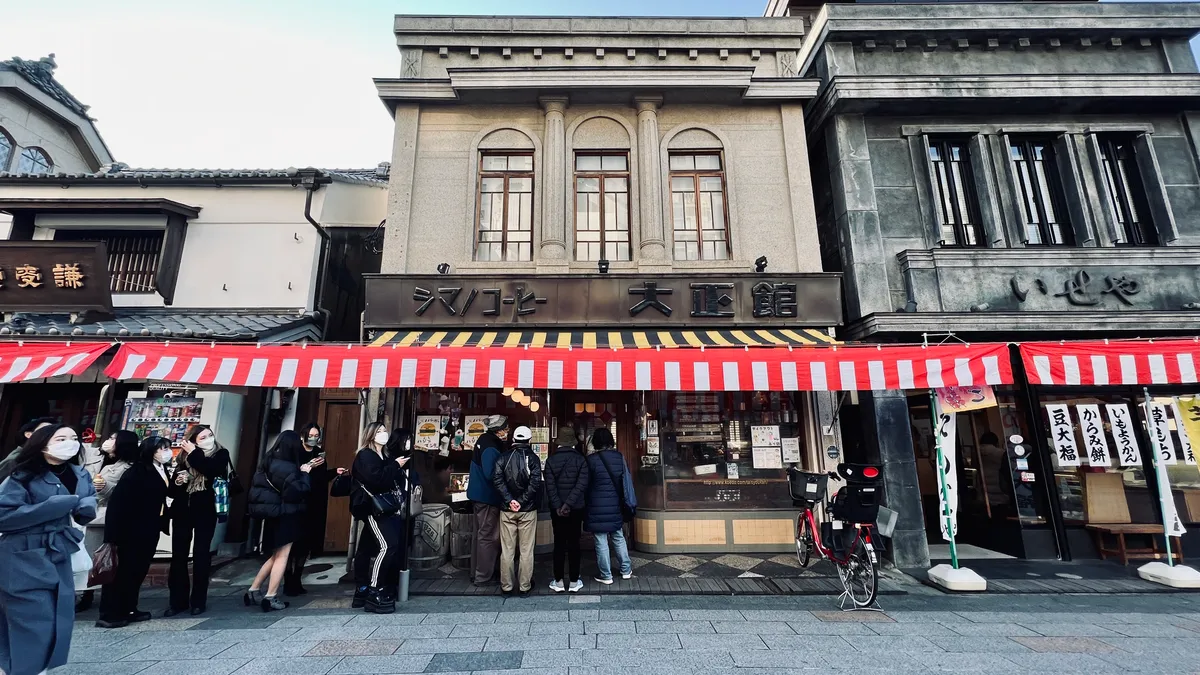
point(54, 276)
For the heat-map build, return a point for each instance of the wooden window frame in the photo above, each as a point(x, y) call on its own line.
point(126, 268)
point(506, 175)
point(696, 175)
point(1053, 188)
point(601, 175)
point(943, 144)
point(1129, 199)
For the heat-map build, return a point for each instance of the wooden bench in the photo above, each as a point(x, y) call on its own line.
point(1123, 552)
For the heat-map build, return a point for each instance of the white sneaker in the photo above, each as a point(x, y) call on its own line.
point(606, 582)
point(576, 586)
point(627, 576)
point(557, 586)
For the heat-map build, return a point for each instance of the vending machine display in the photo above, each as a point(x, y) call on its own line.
point(169, 417)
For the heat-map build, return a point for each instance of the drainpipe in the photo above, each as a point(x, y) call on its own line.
point(312, 180)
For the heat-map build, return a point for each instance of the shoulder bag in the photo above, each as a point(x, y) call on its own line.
point(627, 511)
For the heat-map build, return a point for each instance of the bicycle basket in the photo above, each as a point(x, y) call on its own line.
point(807, 487)
point(856, 504)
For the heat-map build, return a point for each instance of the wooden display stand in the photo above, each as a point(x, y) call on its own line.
point(1108, 518)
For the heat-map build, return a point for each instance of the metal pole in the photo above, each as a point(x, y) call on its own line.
point(1154, 463)
point(941, 460)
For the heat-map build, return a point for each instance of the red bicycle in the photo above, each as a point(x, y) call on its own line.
point(850, 549)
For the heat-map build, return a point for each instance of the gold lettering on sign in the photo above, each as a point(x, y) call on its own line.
point(68, 276)
point(28, 276)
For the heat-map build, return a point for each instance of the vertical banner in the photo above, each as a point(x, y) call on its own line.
point(1095, 444)
point(1185, 442)
point(1190, 418)
point(1160, 435)
point(1129, 453)
point(945, 435)
point(1062, 433)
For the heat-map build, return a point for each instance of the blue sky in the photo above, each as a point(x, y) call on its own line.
point(252, 83)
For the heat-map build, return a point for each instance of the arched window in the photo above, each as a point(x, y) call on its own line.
point(602, 189)
point(6, 150)
point(34, 160)
point(699, 212)
point(504, 197)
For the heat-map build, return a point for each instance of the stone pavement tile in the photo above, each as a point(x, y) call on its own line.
point(989, 629)
point(307, 665)
point(175, 624)
point(109, 668)
point(790, 616)
point(158, 637)
point(545, 658)
point(354, 648)
point(529, 642)
point(706, 615)
point(556, 628)
point(327, 603)
point(1069, 629)
point(257, 650)
point(233, 622)
point(922, 629)
point(104, 654)
point(905, 616)
point(461, 617)
point(584, 600)
point(374, 664)
point(489, 629)
point(853, 617)
point(440, 645)
point(207, 667)
point(1000, 617)
point(822, 628)
point(609, 627)
point(663, 641)
point(584, 614)
point(582, 641)
point(1181, 647)
point(561, 670)
point(754, 627)
point(387, 620)
point(1062, 663)
point(674, 627)
point(442, 663)
point(1145, 663)
point(891, 643)
point(781, 658)
point(409, 632)
point(165, 651)
point(80, 640)
point(1133, 617)
point(1151, 630)
point(323, 621)
point(250, 635)
point(332, 633)
point(726, 641)
point(825, 644)
point(649, 660)
point(978, 645)
point(635, 615)
point(1076, 645)
point(982, 662)
point(546, 616)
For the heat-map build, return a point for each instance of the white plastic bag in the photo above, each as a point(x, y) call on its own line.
point(81, 566)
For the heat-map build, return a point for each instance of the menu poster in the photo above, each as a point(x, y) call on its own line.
point(541, 434)
point(705, 469)
point(427, 432)
point(652, 446)
point(475, 428)
point(766, 436)
point(1095, 444)
point(651, 428)
point(1127, 448)
point(766, 458)
point(542, 450)
point(731, 471)
point(1062, 433)
point(791, 450)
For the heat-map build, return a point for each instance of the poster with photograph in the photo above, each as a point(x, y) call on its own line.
point(651, 428)
point(731, 471)
point(766, 458)
point(474, 429)
point(766, 436)
point(652, 446)
point(427, 432)
point(791, 450)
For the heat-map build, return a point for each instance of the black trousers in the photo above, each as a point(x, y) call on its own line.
point(566, 544)
point(192, 526)
point(379, 550)
point(119, 599)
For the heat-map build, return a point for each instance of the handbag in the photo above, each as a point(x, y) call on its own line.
point(628, 511)
point(385, 504)
point(234, 483)
point(104, 566)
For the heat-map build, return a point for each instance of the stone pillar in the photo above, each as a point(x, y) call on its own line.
point(653, 249)
point(554, 223)
point(400, 187)
point(885, 415)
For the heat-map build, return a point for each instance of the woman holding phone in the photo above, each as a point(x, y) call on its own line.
point(377, 473)
point(193, 514)
point(278, 496)
point(312, 535)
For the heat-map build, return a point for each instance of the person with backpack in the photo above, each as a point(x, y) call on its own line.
point(485, 549)
point(566, 488)
point(518, 479)
point(279, 497)
point(610, 504)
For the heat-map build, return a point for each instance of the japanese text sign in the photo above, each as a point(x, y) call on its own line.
point(54, 276)
point(1185, 443)
point(1124, 435)
point(1062, 435)
point(945, 435)
point(1189, 419)
point(1095, 444)
point(1160, 435)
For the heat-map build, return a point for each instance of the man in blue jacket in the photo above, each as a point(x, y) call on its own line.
point(485, 550)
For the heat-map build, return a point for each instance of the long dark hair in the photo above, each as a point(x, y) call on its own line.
point(125, 447)
point(287, 447)
point(149, 448)
point(602, 439)
point(306, 429)
point(30, 459)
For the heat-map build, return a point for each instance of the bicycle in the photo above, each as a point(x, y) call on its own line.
point(856, 505)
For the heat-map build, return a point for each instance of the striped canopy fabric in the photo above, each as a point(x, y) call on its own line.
point(1128, 362)
point(607, 339)
point(685, 369)
point(23, 361)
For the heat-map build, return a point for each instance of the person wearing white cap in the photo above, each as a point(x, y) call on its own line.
point(485, 549)
point(518, 479)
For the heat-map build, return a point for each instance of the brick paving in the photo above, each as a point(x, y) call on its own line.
point(922, 631)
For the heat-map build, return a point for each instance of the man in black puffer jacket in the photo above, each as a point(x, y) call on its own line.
point(518, 479)
point(566, 486)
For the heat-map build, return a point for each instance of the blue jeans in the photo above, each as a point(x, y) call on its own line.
point(602, 559)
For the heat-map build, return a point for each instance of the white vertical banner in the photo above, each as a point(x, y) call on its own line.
point(1171, 523)
point(1095, 443)
point(1129, 453)
point(945, 435)
point(1185, 444)
point(1062, 433)
point(1160, 435)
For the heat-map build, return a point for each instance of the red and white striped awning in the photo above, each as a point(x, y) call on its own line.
point(1131, 362)
point(680, 369)
point(22, 361)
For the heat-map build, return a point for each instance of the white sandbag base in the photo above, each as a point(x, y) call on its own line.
point(961, 579)
point(1177, 576)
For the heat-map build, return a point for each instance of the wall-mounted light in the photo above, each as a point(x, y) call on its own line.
point(516, 395)
point(760, 265)
point(535, 406)
point(443, 268)
point(508, 391)
point(602, 265)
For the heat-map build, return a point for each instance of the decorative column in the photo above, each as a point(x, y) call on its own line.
point(554, 222)
point(650, 199)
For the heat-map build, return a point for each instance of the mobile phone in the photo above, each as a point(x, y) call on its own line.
point(322, 456)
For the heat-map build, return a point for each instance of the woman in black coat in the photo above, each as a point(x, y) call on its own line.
point(278, 496)
point(135, 517)
point(201, 461)
point(313, 537)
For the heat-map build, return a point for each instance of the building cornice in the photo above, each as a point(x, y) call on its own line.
point(643, 27)
point(98, 206)
point(1048, 257)
point(905, 325)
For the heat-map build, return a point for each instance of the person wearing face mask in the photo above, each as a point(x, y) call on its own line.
point(312, 537)
point(26, 431)
point(40, 502)
point(278, 497)
point(194, 518)
point(137, 514)
point(119, 452)
point(377, 473)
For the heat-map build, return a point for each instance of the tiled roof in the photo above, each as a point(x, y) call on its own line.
point(41, 74)
point(170, 324)
point(119, 173)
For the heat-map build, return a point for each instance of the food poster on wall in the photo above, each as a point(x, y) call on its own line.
point(1185, 442)
point(651, 428)
point(766, 458)
point(1095, 443)
point(542, 450)
point(427, 432)
point(945, 436)
point(653, 447)
point(791, 450)
point(474, 429)
point(731, 471)
point(1129, 453)
point(963, 399)
point(1062, 435)
point(540, 434)
point(1160, 435)
point(765, 436)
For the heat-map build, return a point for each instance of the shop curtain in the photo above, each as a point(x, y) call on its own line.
point(1124, 362)
point(22, 361)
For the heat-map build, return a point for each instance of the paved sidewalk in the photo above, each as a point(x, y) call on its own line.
point(924, 631)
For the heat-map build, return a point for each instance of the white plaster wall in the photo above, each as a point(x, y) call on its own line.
point(350, 205)
point(28, 127)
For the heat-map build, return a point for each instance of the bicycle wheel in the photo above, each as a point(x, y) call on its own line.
point(859, 575)
point(804, 542)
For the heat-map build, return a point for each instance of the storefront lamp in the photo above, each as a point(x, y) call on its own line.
point(525, 399)
point(516, 395)
point(508, 391)
point(535, 406)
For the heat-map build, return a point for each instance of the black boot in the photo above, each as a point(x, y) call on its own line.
point(379, 602)
point(360, 597)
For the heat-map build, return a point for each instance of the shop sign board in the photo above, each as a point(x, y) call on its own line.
point(1095, 443)
point(1160, 435)
point(1062, 434)
point(946, 435)
point(1189, 419)
point(54, 276)
point(963, 399)
point(1129, 453)
point(668, 300)
point(1185, 443)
